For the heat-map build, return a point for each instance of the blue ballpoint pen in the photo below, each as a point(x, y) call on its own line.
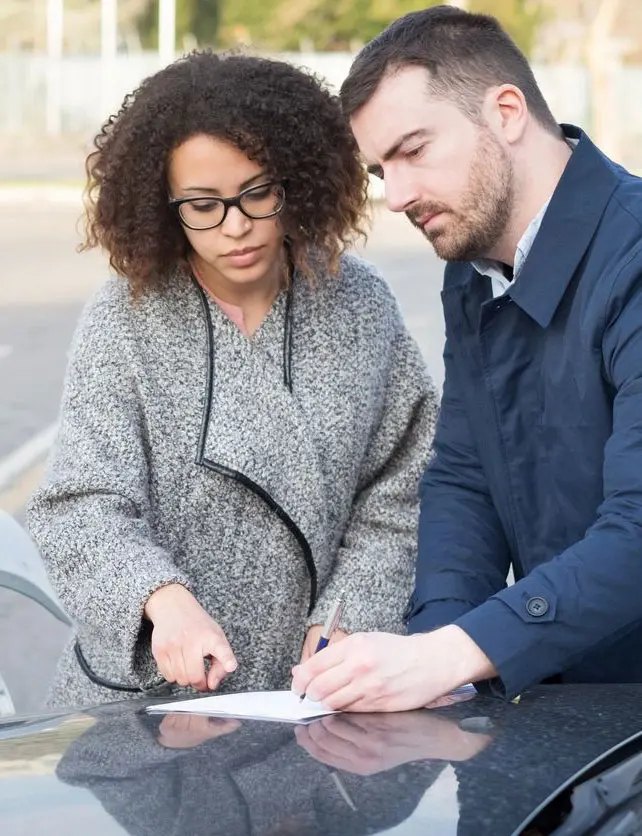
point(331, 624)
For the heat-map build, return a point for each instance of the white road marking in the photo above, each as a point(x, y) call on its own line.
point(6, 704)
point(5, 351)
point(32, 451)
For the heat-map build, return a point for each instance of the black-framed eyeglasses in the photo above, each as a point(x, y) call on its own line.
point(257, 202)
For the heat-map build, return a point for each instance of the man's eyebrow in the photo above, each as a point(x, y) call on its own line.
point(209, 190)
point(394, 149)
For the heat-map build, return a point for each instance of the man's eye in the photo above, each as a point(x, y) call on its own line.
point(415, 152)
point(377, 171)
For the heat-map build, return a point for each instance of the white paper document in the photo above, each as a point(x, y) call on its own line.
point(255, 705)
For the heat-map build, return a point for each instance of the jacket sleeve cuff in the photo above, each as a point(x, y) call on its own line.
point(423, 618)
point(117, 646)
point(515, 646)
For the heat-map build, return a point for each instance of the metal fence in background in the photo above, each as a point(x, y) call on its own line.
point(75, 94)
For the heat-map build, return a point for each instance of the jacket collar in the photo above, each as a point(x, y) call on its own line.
point(569, 224)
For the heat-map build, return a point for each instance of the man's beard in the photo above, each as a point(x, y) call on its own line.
point(471, 231)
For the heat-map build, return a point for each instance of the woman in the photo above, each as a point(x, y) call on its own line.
point(245, 417)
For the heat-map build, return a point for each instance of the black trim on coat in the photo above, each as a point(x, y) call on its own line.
point(241, 478)
point(232, 474)
point(107, 683)
point(287, 332)
point(287, 342)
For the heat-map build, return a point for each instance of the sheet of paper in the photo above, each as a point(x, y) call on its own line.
point(256, 705)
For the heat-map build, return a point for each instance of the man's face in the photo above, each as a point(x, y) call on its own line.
point(452, 178)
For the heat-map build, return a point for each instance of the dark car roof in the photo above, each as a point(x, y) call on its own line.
point(477, 767)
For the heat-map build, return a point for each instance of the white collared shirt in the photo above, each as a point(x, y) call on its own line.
point(493, 269)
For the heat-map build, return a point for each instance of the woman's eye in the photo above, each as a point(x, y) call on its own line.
point(205, 206)
point(259, 193)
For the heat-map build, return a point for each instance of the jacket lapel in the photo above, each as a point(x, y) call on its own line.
point(254, 432)
point(567, 230)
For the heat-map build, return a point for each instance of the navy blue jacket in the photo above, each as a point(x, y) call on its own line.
point(538, 449)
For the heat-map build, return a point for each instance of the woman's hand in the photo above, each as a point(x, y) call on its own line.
point(184, 635)
point(184, 731)
point(312, 639)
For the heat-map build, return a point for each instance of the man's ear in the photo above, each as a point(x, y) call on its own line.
point(506, 112)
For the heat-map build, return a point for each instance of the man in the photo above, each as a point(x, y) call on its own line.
point(538, 451)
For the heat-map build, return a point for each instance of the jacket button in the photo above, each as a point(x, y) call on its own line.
point(537, 606)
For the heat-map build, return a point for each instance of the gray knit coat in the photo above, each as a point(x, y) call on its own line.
point(265, 474)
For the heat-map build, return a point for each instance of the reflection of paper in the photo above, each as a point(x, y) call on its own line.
point(256, 705)
point(463, 690)
point(438, 810)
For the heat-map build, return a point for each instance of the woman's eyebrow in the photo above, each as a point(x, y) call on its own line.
point(210, 190)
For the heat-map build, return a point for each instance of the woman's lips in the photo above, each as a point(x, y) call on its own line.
point(245, 257)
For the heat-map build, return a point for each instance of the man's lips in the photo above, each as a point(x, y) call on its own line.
point(424, 219)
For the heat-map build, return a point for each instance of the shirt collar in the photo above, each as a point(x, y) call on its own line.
point(493, 269)
point(576, 210)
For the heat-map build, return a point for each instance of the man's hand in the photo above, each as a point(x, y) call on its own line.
point(384, 672)
point(312, 639)
point(368, 744)
point(184, 635)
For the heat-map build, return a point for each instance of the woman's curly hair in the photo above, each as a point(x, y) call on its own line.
point(279, 116)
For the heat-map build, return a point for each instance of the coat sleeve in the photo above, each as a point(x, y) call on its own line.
point(375, 562)
point(463, 557)
point(91, 516)
point(590, 593)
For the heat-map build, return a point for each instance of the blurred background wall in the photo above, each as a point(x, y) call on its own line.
point(65, 65)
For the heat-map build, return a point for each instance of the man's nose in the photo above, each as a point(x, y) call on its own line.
point(236, 224)
point(401, 192)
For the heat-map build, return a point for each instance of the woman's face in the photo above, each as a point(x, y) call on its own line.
point(241, 250)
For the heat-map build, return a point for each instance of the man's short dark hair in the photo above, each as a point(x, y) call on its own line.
point(465, 54)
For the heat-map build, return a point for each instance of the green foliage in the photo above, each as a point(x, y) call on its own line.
point(520, 18)
point(197, 18)
point(321, 24)
point(206, 20)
